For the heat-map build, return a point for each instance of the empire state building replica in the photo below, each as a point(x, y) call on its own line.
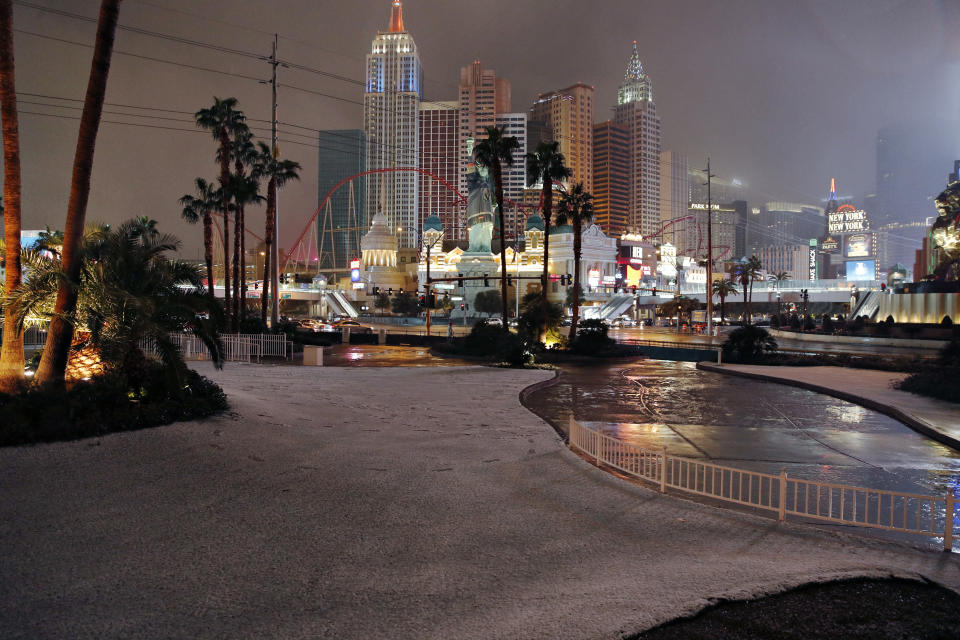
point(391, 104)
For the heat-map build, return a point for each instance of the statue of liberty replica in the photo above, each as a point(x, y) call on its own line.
point(480, 209)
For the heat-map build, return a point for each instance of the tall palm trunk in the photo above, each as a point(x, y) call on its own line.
point(225, 189)
point(243, 265)
point(547, 196)
point(577, 250)
point(750, 301)
point(268, 241)
point(498, 187)
point(237, 232)
point(53, 364)
point(723, 297)
point(746, 315)
point(208, 251)
point(11, 354)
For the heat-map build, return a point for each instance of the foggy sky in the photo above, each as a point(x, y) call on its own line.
point(783, 95)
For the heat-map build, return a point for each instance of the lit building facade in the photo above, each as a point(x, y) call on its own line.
point(637, 111)
point(674, 193)
point(568, 114)
point(345, 218)
point(792, 259)
point(514, 176)
point(611, 177)
point(391, 106)
point(482, 97)
point(439, 139)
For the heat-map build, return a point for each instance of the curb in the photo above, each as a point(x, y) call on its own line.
point(913, 422)
point(536, 386)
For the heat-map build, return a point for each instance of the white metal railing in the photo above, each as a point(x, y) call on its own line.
point(237, 347)
point(933, 516)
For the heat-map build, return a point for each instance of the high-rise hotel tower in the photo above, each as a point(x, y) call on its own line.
point(391, 105)
point(636, 111)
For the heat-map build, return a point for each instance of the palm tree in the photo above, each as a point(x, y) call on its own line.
point(53, 364)
point(278, 173)
point(747, 272)
point(778, 277)
point(224, 120)
point(200, 207)
point(11, 352)
point(129, 291)
point(494, 152)
point(576, 206)
point(679, 306)
point(546, 165)
point(722, 289)
point(246, 190)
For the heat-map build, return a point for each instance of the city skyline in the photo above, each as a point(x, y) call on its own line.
point(786, 108)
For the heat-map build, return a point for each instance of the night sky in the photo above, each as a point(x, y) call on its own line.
point(782, 95)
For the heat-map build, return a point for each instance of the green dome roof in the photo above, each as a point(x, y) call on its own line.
point(534, 222)
point(433, 223)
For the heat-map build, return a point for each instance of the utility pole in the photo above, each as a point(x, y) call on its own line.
point(710, 176)
point(275, 247)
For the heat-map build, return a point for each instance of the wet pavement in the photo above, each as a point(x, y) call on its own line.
point(357, 355)
point(748, 424)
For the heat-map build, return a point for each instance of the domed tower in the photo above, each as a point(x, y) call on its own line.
point(432, 233)
point(533, 234)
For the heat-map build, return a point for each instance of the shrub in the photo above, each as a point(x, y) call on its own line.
point(749, 343)
point(775, 322)
point(106, 404)
point(890, 321)
point(795, 322)
point(937, 380)
point(827, 324)
point(809, 324)
point(253, 324)
point(947, 322)
point(591, 337)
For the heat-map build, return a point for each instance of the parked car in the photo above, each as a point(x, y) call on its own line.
point(495, 322)
point(353, 325)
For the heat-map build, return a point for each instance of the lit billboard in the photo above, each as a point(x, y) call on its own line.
point(858, 245)
point(861, 269)
point(846, 219)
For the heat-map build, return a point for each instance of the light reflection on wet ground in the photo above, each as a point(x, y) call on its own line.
point(749, 424)
point(357, 355)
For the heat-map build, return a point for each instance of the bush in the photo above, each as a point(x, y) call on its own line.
point(795, 322)
point(105, 404)
point(592, 338)
point(748, 344)
point(827, 324)
point(937, 380)
point(946, 322)
point(809, 324)
point(253, 324)
point(492, 341)
point(775, 322)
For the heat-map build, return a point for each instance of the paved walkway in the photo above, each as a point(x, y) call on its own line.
point(377, 503)
point(867, 387)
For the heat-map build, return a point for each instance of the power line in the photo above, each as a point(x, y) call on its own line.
point(143, 32)
point(142, 57)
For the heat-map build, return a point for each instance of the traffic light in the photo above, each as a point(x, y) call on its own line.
point(462, 306)
point(401, 289)
point(563, 280)
point(422, 299)
point(460, 280)
point(431, 300)
point(376, 291)
point(654, 291)
point(390, 291)
point(509, 281)
point(570, 278)
point(486, 280)
point(634, 289)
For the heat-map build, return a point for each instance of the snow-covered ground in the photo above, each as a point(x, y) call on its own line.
point(367, 503)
